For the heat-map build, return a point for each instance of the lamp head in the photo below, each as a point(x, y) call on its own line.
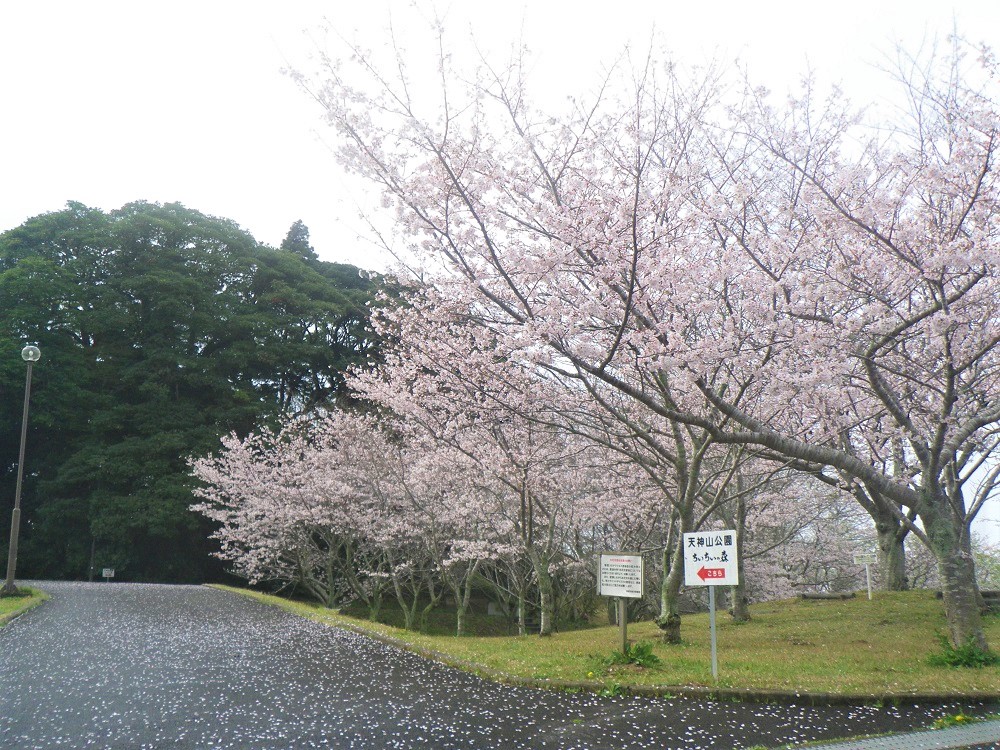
point(31, 354)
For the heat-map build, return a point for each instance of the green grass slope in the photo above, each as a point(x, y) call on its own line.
point(12, 606)
point(855, 648)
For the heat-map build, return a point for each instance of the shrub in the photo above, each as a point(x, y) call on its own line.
point(967, 655)
point(641, 654)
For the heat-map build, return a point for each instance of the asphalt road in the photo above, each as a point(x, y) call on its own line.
point(140, 666)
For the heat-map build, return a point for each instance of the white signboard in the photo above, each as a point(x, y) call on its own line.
point(865, 559)
point(710, 559)
point(620, 575)
point(108, 573)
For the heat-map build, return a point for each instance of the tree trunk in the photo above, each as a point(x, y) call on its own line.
point(962, 601)
point(891, 551)
point(545, 593)
point(408, 608)
point(547, 601)
point(892, 562)
point(409, 615)
point(331, 578)
point(375, 606)
point(740, 609)
point(958, 574)
point(434, 595)
point(462, 588)
point(967, 552)
point(669, 620)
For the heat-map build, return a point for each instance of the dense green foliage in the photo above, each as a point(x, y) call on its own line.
point(160, 329)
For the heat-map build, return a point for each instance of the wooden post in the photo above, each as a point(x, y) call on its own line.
point(623, 621)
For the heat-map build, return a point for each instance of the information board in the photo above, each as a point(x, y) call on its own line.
point(621, 575)
point(710, 559)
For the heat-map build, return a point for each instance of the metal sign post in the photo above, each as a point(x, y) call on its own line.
point(867, 559)
point(107, 574)
point(710, 560)
point(711, 625)
point(621, 575)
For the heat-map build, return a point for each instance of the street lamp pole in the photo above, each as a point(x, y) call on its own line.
point(29, 354)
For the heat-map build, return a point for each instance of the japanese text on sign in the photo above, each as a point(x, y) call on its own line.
point(621, 575)
point(710, 559)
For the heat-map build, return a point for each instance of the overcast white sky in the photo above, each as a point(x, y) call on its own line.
point(107, 102)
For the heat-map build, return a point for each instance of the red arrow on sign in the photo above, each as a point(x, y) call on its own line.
point(706, 573)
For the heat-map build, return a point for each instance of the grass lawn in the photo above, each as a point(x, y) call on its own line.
point(12, 606)
point(855, 647)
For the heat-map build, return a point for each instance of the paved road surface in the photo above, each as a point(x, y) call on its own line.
point(132, 666)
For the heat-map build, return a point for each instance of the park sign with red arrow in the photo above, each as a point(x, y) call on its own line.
point(710, 559)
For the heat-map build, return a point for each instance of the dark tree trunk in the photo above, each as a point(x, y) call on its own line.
point(546, 593)
point(891, 534)
point(958, 573)
point(740, 609)
point(669, 620)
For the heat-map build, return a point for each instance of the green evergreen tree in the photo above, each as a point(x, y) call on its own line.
point(297, 241)
point(161, 329)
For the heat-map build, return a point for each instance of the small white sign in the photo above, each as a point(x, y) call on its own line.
point(710, 559)
point(621, 575)
point(867, 558)
point(108, 573)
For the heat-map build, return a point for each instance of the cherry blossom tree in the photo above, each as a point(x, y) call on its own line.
point(804, 538)
point(556, 490)
point(526, 474)
point(268, 510)
point(446, 375)
point(304, 506)
point(790, 279)
point(881, 269)
point(338, 506)
point(447, 508)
